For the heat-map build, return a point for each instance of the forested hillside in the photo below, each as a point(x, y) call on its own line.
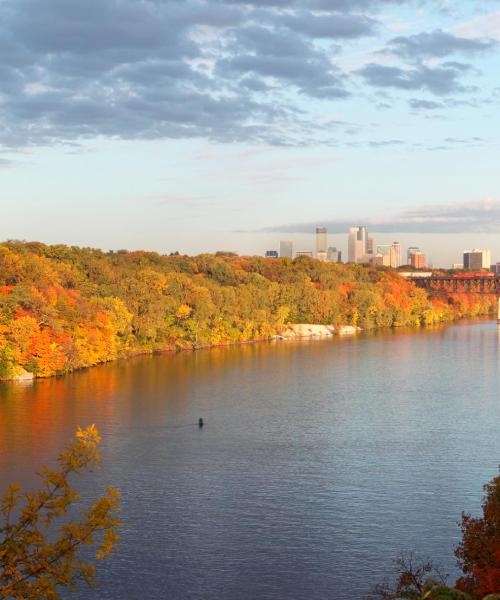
point(63, 308)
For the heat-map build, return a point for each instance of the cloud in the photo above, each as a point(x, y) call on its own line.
point(418, 103)
point(474, 217)
point(259, 72)
point(261, 52)
point(439, 80)
point(436, 44)
point(334, 26)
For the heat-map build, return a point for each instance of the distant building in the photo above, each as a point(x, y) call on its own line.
point(369, 245)
point(457, 266)
point(377, 260)
point(495, 268)
point(396, 255)
point(418, 260)
point(321, 256)
point(303, 253)
point(333, 255)
point(321, 240)
point(358, 245)
point(272, 254)
point(382, 255)
point(286, 249)
point(476, 260)
point(409, 252)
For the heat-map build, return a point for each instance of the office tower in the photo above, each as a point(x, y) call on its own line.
point(396, 255)
point(286, 249)
point(321, 242)
point(357, 249)
point(369, 245)
point(417, 259)
point(409, 252)
point(271, 254)
point(333, 255)
point(475, 259)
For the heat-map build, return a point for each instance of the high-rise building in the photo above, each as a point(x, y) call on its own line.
point(417, 259)
point(333, 255)
point(321, 241)
point(286, 249)
point(396, 255)
point(358, 248)
point(409, 252)
point(390, 253)
point(369, 245)
point(475, 259)
point(271, 254)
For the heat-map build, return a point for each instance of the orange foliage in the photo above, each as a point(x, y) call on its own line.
point(479, 551)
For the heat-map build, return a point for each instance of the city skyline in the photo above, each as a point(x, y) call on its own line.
point(363, 248)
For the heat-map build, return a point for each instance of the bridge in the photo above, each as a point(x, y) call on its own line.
point(466, 283)
point(457, 284)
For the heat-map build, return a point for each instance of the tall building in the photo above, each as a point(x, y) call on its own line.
point(358, 245)
point(333, 255)
point(396, 255)
point(388, 255)
point(417, 259)
point(409, 252)
point(475, 259)
point(369, 245)
point(286, 249)
point(321, 241)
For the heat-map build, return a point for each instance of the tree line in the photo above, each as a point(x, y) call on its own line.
point(63, 308)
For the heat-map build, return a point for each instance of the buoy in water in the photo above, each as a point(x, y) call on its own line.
point(200, 422)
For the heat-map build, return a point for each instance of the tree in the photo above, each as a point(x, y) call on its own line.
point(479, 551)
point(416, 580)
point(39, 554)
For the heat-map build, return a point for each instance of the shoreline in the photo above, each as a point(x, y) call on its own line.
point(26, 377)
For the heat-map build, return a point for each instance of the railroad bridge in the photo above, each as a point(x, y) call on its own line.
point(466, 283)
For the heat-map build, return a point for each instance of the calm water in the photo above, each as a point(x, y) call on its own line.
point(319, 461)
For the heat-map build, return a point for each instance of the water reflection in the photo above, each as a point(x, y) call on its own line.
point(319, 461)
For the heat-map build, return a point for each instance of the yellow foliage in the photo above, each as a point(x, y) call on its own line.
point(38, 553)
point(183, 311)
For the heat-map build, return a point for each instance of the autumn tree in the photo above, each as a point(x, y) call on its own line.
point(416, 579)
point(479, 551)
point(39, 550)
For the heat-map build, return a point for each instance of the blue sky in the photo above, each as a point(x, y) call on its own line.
point(199, 125)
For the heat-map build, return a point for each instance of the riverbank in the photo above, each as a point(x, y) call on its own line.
point(297, 332)
point(63, 309)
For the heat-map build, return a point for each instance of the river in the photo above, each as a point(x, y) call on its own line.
point(318, 464)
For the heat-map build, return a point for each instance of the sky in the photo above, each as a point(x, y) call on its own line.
point(204, 125)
